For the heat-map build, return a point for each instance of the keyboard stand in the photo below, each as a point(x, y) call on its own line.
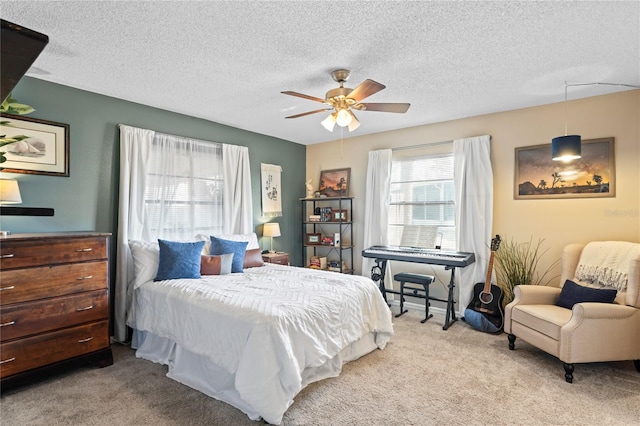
point(379, 271)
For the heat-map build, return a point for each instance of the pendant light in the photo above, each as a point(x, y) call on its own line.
point(568, 147)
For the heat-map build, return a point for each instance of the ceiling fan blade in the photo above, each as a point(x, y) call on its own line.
point(309, 113)
point(302, 95)
point(365, 89)
point(387, 107)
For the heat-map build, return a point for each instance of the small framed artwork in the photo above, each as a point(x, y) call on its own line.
point(335, 183)
point(34, 146)
point(313, 239)
point(339, 216)
point(591, 176)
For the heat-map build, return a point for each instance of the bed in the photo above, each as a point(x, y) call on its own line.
point(256, 338)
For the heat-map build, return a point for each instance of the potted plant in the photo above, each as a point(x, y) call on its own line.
point(517, 264)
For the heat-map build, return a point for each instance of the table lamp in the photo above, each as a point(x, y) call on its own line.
point(271, 230)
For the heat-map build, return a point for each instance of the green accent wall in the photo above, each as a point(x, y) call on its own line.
point(87, 200)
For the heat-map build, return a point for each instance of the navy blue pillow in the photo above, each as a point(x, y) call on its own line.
point(179, 260)
point(238, 248)
point(573, 293)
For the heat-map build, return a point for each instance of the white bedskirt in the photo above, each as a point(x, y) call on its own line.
point(200, 373)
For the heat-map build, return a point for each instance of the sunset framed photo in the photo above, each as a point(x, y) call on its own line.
point(591, 176)
point(335, 183)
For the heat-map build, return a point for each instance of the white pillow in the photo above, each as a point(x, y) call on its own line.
point(251, 239)
point(146, 257)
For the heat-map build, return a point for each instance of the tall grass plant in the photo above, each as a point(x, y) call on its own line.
point(517, 264)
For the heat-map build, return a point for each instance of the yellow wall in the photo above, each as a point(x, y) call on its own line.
point(558, 221)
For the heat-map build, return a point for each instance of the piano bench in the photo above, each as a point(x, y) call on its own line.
point(411, 282)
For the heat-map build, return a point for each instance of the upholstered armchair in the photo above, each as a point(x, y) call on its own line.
point(572, 322)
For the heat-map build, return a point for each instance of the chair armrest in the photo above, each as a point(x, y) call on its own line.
point(534, 295)
point(601, 332)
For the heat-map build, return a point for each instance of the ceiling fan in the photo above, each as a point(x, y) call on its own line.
point(343, 100)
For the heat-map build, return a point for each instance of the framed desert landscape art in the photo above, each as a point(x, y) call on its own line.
point(34, 146)
point(335, 183)
point(538, 176)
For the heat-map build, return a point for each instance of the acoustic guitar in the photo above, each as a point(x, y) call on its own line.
point(487, 299)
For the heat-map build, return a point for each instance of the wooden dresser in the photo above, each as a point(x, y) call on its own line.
point(54, 303)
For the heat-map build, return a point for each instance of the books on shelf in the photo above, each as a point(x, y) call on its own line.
point(324, 213)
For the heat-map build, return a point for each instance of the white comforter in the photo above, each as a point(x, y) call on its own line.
point(266, 326)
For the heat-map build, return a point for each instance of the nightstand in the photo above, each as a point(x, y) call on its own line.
point(279, 258)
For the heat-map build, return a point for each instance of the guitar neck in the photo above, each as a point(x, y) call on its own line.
point(487, 281)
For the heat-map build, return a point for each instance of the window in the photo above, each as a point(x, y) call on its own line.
point(422, 205)
point(184, 188)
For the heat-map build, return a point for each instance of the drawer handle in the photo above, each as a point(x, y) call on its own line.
point(11, 287)
point(88, 277)
point(7, 256)
point(84, 309)
point(85, 340)
point(84, 250)
point(7, 323)
point(7, 360)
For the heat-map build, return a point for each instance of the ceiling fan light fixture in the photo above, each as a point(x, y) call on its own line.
point(343, 118)
point(330, 122)
point(355, 123)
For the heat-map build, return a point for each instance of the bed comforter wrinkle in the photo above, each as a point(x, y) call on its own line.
point(266, 326)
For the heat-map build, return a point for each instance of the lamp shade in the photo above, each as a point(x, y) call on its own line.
point(330, 122)
point(9, 192)
point(271, 230)
point(566, 148)
point(344, 118)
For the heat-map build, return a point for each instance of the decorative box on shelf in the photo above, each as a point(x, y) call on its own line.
point(334, 265)
point(318, 262)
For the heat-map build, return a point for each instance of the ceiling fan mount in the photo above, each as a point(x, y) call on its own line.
point(343, 99)
point(341, 76)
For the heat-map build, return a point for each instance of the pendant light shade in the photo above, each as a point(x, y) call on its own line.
point(566, 148)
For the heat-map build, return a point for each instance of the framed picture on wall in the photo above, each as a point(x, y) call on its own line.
point(34, 146)
point(335, 183)
point(592, 175)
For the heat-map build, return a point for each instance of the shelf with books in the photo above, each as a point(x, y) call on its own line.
point(328, 232)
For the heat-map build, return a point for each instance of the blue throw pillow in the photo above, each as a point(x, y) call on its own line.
point(238, 248)
point(179, 260)
point(573, 293)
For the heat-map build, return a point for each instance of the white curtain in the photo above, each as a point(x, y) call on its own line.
point(376, 211)
point(238, 207)
point(135, 145)
point(175, 188)
point(473, 180)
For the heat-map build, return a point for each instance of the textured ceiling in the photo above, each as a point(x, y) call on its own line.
point(229, 61)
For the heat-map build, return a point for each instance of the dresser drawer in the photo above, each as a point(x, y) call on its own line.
point(24, 354)
point(22, 285)
point(24, 319)
point(27, 253)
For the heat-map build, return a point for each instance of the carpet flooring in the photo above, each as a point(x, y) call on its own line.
point(425, 376)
